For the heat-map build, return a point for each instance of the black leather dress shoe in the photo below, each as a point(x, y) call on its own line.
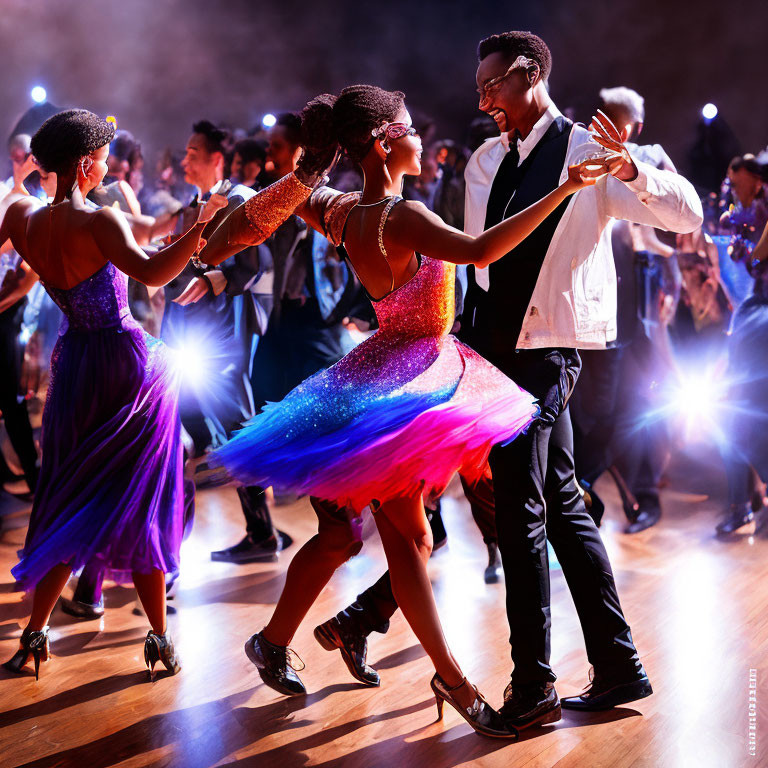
point(275, 665)
point(249, 551)
point(82, 610)
point(645, 519)
point(529, 705)
point(606, 692)
point(737, 516)
point(332, 635)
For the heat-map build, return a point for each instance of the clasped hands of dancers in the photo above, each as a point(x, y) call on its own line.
point(394, 419)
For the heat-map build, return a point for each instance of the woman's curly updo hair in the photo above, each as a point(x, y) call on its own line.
point(348, 119)
point(62, 140)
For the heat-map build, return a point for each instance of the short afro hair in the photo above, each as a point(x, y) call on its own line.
point(66, 137)
point(514, 44)
point(215, 138)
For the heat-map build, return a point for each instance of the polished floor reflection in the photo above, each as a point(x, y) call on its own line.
point(697, 605)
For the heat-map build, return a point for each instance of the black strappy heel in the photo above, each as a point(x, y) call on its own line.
point(34, 644)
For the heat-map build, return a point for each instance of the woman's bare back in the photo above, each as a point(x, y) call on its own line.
point(58, 243)
point(361, 241)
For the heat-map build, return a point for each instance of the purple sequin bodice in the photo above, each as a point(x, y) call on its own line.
point(97, 303)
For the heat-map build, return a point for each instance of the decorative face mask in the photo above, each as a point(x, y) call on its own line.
point(390, 131)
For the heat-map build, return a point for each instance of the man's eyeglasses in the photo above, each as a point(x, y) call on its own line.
point(492, 85)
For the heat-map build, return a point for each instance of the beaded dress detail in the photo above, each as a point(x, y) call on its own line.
point(111, 480)
point(398, 415)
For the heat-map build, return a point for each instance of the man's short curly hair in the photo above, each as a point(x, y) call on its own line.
point(516, 43)
point(66, 137)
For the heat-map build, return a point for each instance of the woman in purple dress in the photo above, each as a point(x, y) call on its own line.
point(111, 483)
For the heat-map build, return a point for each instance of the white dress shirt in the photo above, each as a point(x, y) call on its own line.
point(574, 301)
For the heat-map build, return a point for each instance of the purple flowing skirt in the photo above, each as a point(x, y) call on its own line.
point(111, 482)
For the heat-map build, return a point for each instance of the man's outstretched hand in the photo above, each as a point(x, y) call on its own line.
point(619, 161)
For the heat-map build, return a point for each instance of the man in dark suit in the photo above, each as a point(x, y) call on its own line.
point(528, 313)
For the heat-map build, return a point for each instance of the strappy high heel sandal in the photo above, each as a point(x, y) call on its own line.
point(160, 648)
point(34, 644)
point(483, 718)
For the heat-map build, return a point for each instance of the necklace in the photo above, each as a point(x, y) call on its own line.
point(370, 205)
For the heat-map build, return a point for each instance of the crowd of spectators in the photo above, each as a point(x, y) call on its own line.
point(292, 307)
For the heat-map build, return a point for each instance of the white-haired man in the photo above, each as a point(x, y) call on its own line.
point(611, 398)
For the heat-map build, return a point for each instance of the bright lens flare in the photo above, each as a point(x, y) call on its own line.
point(709, 111)
point(191, 364)
point(268, 120)
point(698, 400)
point(38, 94)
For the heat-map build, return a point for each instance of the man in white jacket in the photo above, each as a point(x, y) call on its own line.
point(528, 313)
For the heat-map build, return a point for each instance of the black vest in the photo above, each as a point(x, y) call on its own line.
point(492, 320)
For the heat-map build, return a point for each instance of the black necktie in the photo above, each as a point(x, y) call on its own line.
point(504, 185)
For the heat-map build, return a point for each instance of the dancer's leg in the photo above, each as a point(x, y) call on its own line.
point(482, 505)
point(47, 592)
point(311, 569)
point(89, 584)
point(151, 589)
point(407, 541)
point(585, 563)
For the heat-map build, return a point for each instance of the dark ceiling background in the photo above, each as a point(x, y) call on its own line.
point(161, 64)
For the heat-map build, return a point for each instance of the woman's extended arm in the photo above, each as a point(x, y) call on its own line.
point(114, 237)
point(416, 228)
point(256, 219)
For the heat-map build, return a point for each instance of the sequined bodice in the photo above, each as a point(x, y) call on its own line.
point(424, 306)
point(97, 303)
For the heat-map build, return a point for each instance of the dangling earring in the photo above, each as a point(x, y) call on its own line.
point(387, 149)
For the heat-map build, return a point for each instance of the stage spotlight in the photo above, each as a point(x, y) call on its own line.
point(268, 120)
point(38, 94)
point(709, 112)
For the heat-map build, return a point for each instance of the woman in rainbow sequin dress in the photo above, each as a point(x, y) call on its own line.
point(401, 413)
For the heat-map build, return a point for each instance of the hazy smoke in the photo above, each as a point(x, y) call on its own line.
point(161, 64)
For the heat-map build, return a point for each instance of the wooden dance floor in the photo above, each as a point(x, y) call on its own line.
point(697, 606)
